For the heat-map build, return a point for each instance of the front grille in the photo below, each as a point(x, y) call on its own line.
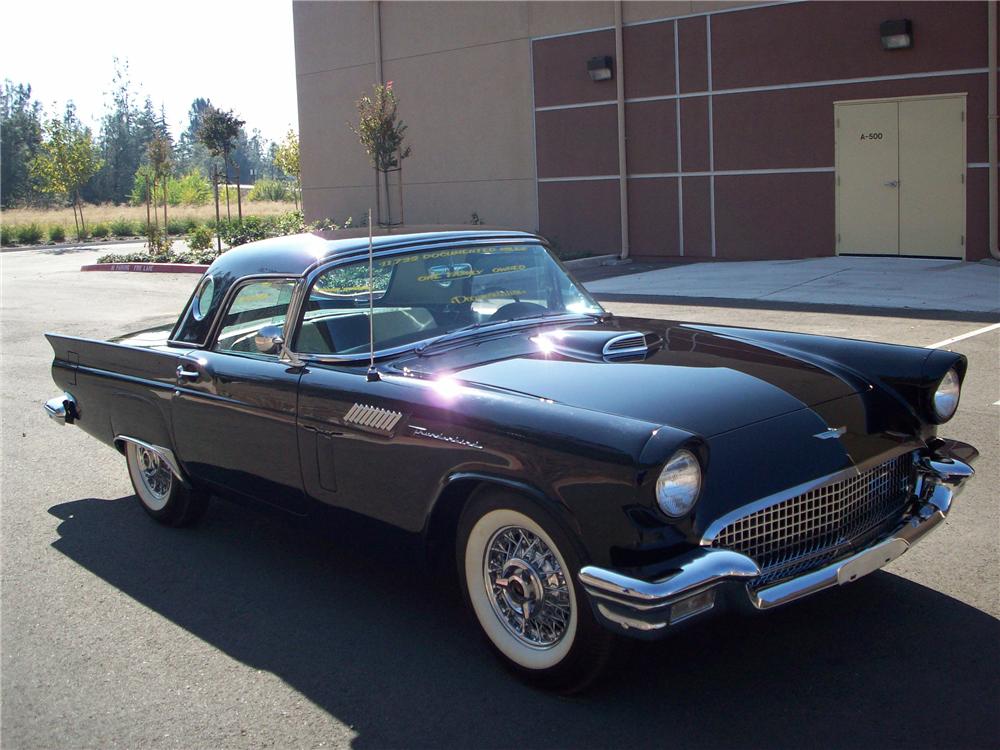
point(809, 530)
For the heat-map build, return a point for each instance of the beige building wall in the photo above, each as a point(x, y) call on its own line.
point(462, 72)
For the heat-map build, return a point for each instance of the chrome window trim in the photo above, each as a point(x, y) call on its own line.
point(310, 278)
point(720, 523)
point(234, 289)
point(195, 306)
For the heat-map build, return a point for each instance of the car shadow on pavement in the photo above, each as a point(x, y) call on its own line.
point(347, 613)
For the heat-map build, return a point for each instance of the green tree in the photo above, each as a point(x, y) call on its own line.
point(191, 153)
point(381, 133)
point(125, 132)
point(218, 132)
point(66, 160)
point(286, 158)
point(20, 139)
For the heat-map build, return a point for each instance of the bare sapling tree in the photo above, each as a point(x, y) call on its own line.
point(286, 158)
point(381, 133)
point(159, 153)
point(218, 132)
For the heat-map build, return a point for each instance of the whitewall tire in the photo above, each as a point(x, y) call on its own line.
point(518, 573)
point(160, 493)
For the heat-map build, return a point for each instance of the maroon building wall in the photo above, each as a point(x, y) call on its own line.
point(753, 91)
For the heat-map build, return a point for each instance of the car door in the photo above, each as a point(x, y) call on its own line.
point(234, 407)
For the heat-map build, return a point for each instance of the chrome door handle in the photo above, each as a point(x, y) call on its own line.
point(183, 374)
point(891, 183)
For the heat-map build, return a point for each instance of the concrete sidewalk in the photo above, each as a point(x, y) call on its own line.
point(896, 283)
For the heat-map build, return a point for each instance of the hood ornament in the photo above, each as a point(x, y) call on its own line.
point(831, 432)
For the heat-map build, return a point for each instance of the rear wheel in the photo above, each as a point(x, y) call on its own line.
point(517, 570)
point(160, 493)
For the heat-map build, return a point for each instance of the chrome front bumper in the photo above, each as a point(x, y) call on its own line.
point(707, 575)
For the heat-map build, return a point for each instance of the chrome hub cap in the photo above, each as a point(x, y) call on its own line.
point(155, 474)
point(527, 587)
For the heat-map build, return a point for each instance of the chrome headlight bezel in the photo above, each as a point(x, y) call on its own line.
point(679, 484)
point(947, 394)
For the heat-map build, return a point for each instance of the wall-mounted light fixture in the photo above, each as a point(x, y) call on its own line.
point(896, 34)
point(599, 68)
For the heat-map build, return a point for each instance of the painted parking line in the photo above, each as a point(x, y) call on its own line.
point(969, 335)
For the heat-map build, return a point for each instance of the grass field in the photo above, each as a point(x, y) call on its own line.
point(107, 214)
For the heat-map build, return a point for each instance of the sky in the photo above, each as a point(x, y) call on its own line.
point(238, 54)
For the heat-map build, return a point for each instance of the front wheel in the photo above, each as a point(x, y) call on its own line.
point(517, 569)
point(160, 493)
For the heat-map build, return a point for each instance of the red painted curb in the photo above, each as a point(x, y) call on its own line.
point(147, 267)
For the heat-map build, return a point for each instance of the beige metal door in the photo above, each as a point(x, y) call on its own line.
point(900, 167)
point(867, 153)
point(932, 177)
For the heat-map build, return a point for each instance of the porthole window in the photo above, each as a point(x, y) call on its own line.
point(203, 300)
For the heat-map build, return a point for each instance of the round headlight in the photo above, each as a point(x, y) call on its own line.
point(679, 484)
point(946, 396)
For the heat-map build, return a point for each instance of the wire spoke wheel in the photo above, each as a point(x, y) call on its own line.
point(527, 588)
point(155, 475)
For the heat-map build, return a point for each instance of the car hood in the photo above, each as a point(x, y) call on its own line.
point(689, 378)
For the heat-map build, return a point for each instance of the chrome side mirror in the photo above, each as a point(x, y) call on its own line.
point(269, 340)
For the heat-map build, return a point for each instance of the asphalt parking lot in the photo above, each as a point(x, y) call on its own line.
point(255, 631)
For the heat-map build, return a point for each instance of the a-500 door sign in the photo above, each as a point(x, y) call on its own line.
point(871, 136)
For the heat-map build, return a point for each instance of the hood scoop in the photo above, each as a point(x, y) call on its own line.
point(632, 344)
point(617, 346)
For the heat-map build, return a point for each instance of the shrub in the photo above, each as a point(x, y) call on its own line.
point(29, 234)
point(177, 226)
point(148, 257)
point(270, 190)
point(100, 231)
point(256, 228)
point(200, 238)
point(6, 235)
point(190, 190)
point(57, 233)
point(158, 242)
point(252, 228)
point(122, 227)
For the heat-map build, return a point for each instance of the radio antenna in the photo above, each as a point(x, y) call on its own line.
point(372, 372)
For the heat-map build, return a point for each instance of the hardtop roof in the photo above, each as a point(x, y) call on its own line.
point(295, 255)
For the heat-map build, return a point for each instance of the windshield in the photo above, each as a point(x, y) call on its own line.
point(424, 294)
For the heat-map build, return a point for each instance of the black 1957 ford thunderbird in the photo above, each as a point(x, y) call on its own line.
point(591, 475)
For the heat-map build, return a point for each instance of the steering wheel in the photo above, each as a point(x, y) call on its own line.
point(517, 310)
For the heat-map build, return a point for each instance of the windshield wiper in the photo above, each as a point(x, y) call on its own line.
point(462, 332)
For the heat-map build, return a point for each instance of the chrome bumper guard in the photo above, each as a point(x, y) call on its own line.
point(648, 609)
point(62, 409)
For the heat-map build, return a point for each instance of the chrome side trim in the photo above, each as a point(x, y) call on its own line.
point(62, 409)
point(165, 453)
point(713, 529)
point(372, 418)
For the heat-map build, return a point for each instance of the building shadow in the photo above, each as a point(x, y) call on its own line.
point(347, 613)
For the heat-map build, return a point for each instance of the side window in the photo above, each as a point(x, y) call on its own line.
point(256, 305)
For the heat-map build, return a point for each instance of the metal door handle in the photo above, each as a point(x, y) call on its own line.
point(183, 374)
point(891, 183)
